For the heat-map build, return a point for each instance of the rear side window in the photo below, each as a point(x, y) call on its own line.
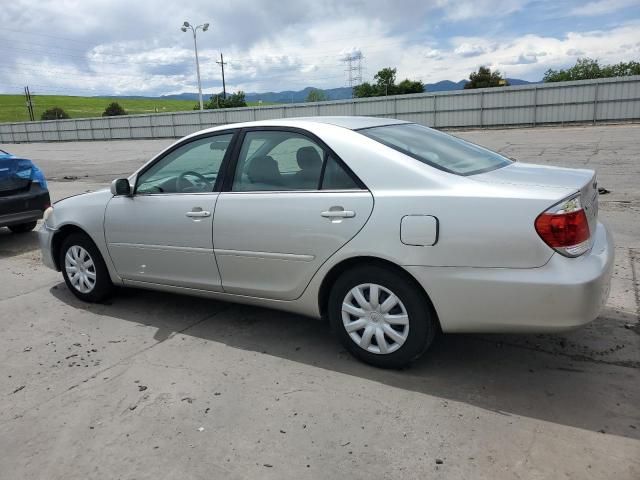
point(336, 178)
point(283, 160)
point(437, 149)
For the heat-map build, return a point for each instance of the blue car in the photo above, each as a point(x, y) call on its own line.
point(23, 193)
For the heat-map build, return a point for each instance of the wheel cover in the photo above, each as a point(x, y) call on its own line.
point(80, 269)
point(375, 318)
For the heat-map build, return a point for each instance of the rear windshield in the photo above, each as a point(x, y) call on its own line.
point(437, 149)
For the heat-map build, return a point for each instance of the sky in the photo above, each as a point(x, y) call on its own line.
point(136, 47)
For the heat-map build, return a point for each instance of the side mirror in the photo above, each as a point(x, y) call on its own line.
point(121, 187)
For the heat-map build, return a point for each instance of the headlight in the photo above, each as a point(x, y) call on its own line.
point(47, 213)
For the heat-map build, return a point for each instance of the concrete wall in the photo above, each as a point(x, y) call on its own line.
point(610, 99)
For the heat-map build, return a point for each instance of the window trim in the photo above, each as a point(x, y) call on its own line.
point(219, 179)
point(231, 166)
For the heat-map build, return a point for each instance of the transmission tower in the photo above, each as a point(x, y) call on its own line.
point(353, 67)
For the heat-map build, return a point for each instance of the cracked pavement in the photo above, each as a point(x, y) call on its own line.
point(152, 385)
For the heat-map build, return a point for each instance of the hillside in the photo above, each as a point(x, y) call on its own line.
point(340, 93)
point(12, 107)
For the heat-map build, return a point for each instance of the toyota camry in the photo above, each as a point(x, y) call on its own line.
point(391, 230)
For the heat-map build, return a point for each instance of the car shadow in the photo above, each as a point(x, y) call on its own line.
point(12, 244)
point(554, 378)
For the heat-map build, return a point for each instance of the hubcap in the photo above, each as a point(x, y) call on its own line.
point(375, 318)
point(80, 269)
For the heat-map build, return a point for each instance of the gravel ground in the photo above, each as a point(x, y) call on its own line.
point(152, 385)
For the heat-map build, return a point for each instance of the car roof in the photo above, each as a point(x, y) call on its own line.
point(351, 123)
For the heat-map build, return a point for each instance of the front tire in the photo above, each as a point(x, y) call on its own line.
point(83, 269)
point(23, 227)
point(381, 316)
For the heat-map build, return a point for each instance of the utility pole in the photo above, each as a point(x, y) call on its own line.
point(29, 102)
point(224, 87)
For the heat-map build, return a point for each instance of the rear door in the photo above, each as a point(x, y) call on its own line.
point(288, 205)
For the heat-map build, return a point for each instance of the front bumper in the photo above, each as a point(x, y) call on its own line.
point(23, 207)
point(45, 237)
point(565, 293)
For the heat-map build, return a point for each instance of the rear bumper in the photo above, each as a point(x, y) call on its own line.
point(23, 207)
point(565, 293)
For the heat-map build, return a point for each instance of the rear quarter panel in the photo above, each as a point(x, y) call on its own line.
point(480, 224)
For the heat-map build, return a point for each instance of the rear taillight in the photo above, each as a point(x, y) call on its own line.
point(565, 228)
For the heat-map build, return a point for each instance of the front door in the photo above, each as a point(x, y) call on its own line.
point(291, 205)
point(163, 233)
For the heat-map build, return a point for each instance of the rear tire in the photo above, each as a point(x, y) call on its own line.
point(23, 227)
point(83, 268)
point(374, 310)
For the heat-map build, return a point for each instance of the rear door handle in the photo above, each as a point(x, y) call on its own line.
point(198, 213)
point(338, 214)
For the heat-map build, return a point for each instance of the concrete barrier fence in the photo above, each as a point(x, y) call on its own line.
point(601, 100)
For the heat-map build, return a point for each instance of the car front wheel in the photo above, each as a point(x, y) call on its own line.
point(381, 316)
point(83, 268)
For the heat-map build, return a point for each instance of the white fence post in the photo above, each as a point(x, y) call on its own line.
point(435, 111)
point(595, 104)
point(535, 105)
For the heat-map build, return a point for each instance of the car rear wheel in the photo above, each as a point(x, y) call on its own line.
point(83, 269)
point(23, 227)
point(381, 316)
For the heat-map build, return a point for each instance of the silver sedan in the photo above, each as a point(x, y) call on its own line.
point(391, 230)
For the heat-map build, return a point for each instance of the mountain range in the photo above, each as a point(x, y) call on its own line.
point(340, 93)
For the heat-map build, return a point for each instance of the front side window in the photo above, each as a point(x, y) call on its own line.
point(437, 149)
point(191, 168)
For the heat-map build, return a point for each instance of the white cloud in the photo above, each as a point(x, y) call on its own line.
point(432, 53)
point(459, 10)
point(601, 7)
point(470, 49)
point(124, 47)
point(516, 56)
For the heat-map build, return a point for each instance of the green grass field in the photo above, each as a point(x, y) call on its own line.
point(13, 108)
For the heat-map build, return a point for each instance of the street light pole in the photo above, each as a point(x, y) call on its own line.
point(204, 28)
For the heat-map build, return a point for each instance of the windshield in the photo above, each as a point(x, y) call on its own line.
point(437, 149)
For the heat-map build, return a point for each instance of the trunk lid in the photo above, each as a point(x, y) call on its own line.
point(566, 181)
point(527, 174)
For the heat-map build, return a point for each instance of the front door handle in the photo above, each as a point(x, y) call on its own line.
point(338, 214)
point(198, 213)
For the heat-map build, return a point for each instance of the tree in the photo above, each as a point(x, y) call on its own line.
point(386, 85)
point(385, 80)
point(113, 110)
point(216, 101)
point(484, 78)
point(588, 69)
point(55, 113)
point(316, 96)
point(410, 86)
point(364, 90)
